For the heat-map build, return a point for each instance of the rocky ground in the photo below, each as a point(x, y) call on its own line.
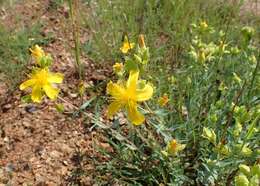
point(38, 145)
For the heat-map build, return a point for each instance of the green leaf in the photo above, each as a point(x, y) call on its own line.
point(251, 130)
point(138, 59)
point(256, 170)
point(130, 146)
point(87, 103)
point(131, 65)
point(26, 99)
point(59, 107)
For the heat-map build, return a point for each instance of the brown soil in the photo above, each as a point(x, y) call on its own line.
point(38, 145)
point(251, 7)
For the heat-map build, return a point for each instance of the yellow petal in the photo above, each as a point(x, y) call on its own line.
point(133, 115)
point(132, 82)
point(50, 91)
point(27, 84)
point(144, 93)
point(55, 78)
point(124, 49)
point(180, 147)
point(114, 107)
point(126, 46)
point(132, 45)
point(118, 67)
point(174, 147)
point(115, 90)
point(36, 94)
point(37, 52)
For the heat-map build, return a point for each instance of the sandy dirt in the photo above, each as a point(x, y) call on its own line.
point(38, 145)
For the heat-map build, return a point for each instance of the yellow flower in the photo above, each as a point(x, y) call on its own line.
point(41, 82)
point(223, 149)
point(37, 52)
point(203, 25)
point(174, 147)
point(118, 67)
point(163, 100)
point(126, 46)
point(127, 96)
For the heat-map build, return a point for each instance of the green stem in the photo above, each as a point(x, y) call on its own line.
point(254, 76)
point(73, 6)
point(230, 114)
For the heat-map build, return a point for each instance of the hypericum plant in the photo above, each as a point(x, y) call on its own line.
point(143, 135)
point(126, 94)
point(41, 80)
point(202, 129)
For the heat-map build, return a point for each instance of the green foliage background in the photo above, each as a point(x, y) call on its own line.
point(216, 94)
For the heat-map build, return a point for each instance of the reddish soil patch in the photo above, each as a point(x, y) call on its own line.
point(251, 7)
point(38, 145)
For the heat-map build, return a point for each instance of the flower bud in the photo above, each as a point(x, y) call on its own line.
point(118, 67)
point(163, 100)
point(203, 25)
point(248, 32)
point(241, 180)
point(213, 118)
point(37, 52)
point(201, 56)
point(246, 151)
point(209, 134)
point(234, 50)
point(141, 41)
point(244, 169)
point(236, 78)
point(252, 59)
point(174, 147)
point(237, 130)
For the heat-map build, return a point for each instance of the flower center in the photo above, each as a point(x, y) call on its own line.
point(42, 78)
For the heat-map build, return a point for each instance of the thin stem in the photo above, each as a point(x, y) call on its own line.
point(230, 114)
point(74, 6)
point(65, 101)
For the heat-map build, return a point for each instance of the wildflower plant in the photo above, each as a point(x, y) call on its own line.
point(126, 94)
point(202, 130)
point(41, 80)
point(131, 95)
